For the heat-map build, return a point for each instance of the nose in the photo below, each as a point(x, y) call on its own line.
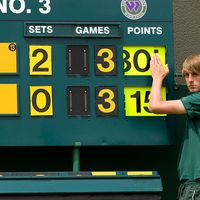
point(190, 78)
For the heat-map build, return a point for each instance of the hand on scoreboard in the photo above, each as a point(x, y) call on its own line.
point(158, 70)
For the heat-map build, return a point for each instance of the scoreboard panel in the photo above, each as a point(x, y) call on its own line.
point(79, 72)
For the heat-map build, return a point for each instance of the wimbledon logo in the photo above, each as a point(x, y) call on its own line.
point(134, 9)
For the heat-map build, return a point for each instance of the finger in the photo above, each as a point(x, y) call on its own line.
point(158, 61)
point(152, 62)
point(167, 68)
point(155, 59)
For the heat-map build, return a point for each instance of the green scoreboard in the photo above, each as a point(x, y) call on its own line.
point(78, 71)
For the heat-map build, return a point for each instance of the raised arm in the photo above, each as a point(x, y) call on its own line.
point(157, 104)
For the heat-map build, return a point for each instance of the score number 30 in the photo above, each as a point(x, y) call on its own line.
point(137, 59)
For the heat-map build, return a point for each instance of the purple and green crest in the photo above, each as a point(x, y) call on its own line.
point(133, 9)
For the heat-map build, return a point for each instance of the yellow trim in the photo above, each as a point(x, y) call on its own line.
point(137, 173)
point(40, 174)
point(104, 173)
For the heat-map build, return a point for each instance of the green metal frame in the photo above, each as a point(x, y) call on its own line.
point(63, 182)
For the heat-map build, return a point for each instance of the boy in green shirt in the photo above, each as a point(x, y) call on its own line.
point(189, 164)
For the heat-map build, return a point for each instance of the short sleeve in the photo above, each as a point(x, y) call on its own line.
point(192, 104)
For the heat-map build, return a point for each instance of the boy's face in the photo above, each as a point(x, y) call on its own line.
point(192, 81)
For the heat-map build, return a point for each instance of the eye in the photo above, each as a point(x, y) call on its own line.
point(186, 75)
point(194, 74)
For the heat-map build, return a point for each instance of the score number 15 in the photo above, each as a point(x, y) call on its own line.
point(137, 101)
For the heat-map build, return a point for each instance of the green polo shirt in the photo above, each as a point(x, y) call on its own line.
point(189, 163)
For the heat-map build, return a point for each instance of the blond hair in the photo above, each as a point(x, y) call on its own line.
point(191, 64)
